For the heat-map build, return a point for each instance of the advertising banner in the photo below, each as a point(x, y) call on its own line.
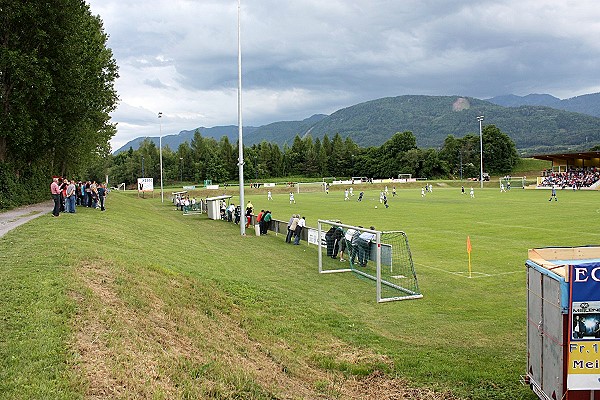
point(584, 338)
point(145, 184)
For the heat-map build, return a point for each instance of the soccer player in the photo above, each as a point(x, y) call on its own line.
point(472, 193)
point(553, 195)
point(346, 195)
point(292, 198)
point(269, 195)
point(360, 196)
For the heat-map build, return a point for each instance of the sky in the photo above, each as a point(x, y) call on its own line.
point(306, 57)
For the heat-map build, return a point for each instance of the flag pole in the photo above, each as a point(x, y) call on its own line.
point(469, 252)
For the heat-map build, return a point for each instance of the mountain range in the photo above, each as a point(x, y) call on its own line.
point(537, 123)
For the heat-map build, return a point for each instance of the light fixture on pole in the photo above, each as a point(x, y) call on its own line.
point(480, 119)
point(162, 196)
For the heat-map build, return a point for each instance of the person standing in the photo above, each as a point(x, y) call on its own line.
point(553, 194)
point(364, 243)
point(62, 184)
point(360, 196)
point(249, 211)
point(94, 194)
point(292, 198)
point(293, 226)
point(259, 220)
point(101, 195)
point(346, 193)
point(299, 228)
point(288, 237)
point(394, 191)
point(269, 195)
point(55, 192)
point(472, 193)
point(266, 222)
point(71, 197)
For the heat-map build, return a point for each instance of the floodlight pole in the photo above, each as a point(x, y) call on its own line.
point(480, 119)
point(162, 196)
point(240, 135)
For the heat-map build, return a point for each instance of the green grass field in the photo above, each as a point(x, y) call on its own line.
point(143, 302)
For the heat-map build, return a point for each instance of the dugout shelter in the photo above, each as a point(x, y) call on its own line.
point(213, 206)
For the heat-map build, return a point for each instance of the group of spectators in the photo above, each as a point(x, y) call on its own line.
point(67, 194)
point(184, 203)
point(352, 242)
point(575, 178)
point(294, 229)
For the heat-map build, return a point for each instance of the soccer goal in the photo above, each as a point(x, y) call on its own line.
point(381, 257)
point(511, 182)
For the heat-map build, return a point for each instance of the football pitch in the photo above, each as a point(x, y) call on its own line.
point(482, 312)
point(143, 302)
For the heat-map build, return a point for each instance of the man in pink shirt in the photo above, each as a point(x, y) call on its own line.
point(55, 191)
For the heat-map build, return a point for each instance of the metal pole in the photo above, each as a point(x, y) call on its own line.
point(162, 195)
point(240, 135)
point(480, 119)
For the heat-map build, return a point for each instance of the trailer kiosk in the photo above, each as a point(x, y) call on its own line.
point(563, 323)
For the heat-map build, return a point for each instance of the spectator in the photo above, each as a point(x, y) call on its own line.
point(294, 225)
point(290, 232)
point(299, 228)
point(101, 195)
point(266, 219)
point(249, 211)
point(71, 197)
point(364, 242)
point(259, 220)
point(55, 192)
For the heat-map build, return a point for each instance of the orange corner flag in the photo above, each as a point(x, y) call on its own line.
point(469, 244)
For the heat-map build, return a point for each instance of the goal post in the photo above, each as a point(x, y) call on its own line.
point(513, 182)
point(380, 256)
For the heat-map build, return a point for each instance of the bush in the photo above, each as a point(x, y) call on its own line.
point(19, 187)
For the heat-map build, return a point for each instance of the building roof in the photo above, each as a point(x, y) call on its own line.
point(585, 155)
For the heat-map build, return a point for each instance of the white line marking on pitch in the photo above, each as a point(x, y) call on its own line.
point(465, 274)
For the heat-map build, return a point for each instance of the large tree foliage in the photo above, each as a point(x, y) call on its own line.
point(56, 86)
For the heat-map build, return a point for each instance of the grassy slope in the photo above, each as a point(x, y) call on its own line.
point(219, 315)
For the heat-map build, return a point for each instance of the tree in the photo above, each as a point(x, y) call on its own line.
point(56, 91)
point(56, 84)
point(499, 151)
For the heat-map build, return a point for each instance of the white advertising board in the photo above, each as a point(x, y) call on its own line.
point(145, 184)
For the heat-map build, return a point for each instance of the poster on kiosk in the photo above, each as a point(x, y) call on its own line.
point(584, 316)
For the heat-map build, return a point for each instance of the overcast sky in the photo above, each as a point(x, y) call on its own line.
point(303, 57)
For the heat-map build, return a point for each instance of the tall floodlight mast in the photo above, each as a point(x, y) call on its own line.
point(240, 142)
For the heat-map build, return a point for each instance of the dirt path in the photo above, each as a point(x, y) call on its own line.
point(9, 220)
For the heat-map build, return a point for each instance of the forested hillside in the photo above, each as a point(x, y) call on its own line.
point(534, 129)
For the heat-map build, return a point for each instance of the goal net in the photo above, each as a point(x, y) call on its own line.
point(511, 182)
point(380, 257)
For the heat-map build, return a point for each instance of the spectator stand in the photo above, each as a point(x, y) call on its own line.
point(571, 170)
